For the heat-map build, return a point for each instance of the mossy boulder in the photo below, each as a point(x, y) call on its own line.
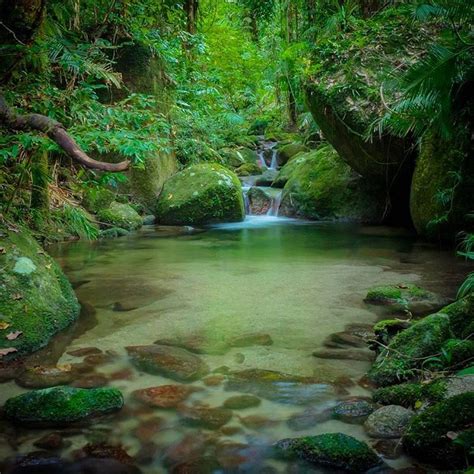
point(332, 450)
point(236, 157)
point(286, 152)
point(201, 194)
point(113, 233)
point(458, 352)
point(407, 350)
point(443, 168)
point(248, 169)
point(401, 297)
point(59, 406)
point(321, 186)
point(385, 330)
point(286, 171)
point(120, 215)
point(36, 299)
point(442, 435)
point(95, 199)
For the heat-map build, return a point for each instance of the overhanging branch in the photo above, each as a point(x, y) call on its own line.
point(56, 132)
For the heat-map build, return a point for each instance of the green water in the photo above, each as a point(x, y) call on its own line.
point(296, 282)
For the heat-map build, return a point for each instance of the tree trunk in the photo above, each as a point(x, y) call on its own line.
point(19, 22)
point(191, 10)
point(40, 182)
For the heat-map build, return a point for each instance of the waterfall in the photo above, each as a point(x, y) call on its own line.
point(261, 160)
point(274, 163)
point(245, 194)
point(275, 205)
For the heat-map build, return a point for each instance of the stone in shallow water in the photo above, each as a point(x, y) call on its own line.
point(43, 377)
point(239, 402)
point(197, 344)
point(210, 418)
point(333, 450)
point(279, 387)
point(51, 441)
point(105, 451)
point(148, 428)
point(164, 396)
point(251, 339)
point(190, 447)
point(344, 354)
point(388, 422)
point(354, 410)
point(91, 381)
point(256, 422)
point(199, 465)
point(171, 362)
point(309, 418)
point(60, 406)
point(84, 351)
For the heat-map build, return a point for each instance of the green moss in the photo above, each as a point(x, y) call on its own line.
point(286, 152)
point(201, 194)
point(334, 450)
point(235, 157)
point(461, 316)
point(95, 199)
point(248, 169)
point(426, 436)
point(62, 405)
point(120, 215)
point(457, 352)
point(408, 394)
point(321, 186)
point(407, 350)
point(39, 302)
point(384, 294)
point(438, 168)
point(113, 233)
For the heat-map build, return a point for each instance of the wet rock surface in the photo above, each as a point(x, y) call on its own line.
point(43, 377)
point(353, 410)
point(206, 417)
point(164, 396)
point(388, 422)
point(240, 402)
point(173, 362)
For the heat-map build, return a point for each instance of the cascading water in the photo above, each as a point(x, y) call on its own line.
point(275, 204)
point(274, 162)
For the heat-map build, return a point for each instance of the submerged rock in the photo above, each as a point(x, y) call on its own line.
point(36, 299)
point(278, 386)
point(349, 354)
point(206, 417)
point(250, 339)
point(240, 402)
point(405, 297)
point(201, 194)
point(332, 450)
point(121, 215)
point(443, 435)
point(197, 344)
point(169, 361)
point(388, 422)
point(43, 377)
point(60, 406)
point(164, 396)
point(353, 410)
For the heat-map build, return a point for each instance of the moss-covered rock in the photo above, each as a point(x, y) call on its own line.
point(407, 350)
point(113, 233)
point(248, 169)
point(461, 316)
point(333, 450)
point(401, 297)
point(286, 171)
point(36, 299)
point(236, 157)
point(120, 215)
point(442, 168)
point(442, 435)
point(321, 186)
point(60, 406)
point(385, 330)
point(286, 152)
point(458, 352)
point(94, 199)
point(201, 194)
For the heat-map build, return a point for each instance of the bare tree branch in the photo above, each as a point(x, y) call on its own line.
point(57, 133)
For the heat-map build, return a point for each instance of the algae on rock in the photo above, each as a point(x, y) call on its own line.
point(201, 194)
point(36, 299)
point(121, 215)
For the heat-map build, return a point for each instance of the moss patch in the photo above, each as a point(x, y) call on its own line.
point(121, 215)
point(321, 186)
point(201, 194)
point(57, 406)
point(427, 436)
point(334, 450)
point(36, 299)
point(96, 199)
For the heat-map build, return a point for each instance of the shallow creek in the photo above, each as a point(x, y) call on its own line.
point(295, 281)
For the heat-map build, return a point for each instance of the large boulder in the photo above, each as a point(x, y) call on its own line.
point(388, 422)
point(332, 450)
point(60, 406)
point(36, 299)
point(443, 169)
point(443, 434)
point(321, 186)
point(201, 194)
point(120, 215)
point(410, 348)
point(287, 152)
